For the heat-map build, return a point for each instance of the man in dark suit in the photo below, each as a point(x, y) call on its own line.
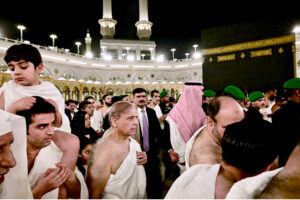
point(70, 106)
point(150, 138)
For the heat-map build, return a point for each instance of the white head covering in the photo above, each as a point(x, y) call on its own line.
point(15, 185)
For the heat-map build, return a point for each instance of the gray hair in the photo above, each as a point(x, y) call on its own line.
point(119, 108)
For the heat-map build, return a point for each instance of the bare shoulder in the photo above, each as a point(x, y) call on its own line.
point(104, 148)
point(282, 188)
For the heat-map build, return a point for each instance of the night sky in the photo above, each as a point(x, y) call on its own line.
point(177, 24)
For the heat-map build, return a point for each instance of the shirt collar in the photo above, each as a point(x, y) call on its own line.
point(140, 110)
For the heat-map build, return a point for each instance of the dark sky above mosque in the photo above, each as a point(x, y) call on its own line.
point(177, 24)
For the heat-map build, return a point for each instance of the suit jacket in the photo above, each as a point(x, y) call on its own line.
point(68, 113)
point(155, 134)
point(154, 182)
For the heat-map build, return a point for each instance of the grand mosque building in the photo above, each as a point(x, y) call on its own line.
point(127, 64)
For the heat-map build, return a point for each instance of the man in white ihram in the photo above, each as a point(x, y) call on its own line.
point(46, 176)
point(13, 159)
point(116, 166)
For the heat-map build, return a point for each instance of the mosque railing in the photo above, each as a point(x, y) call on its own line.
point(63, 51)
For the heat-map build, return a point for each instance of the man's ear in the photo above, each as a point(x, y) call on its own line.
point(113, 122)
point(210, 122)
point(40, 68)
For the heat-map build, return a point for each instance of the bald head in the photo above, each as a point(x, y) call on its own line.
point(230, 106)
point(223, 111)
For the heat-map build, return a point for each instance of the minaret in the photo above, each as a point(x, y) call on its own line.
point(88, 42)
point(107, 23)
point(143, 25)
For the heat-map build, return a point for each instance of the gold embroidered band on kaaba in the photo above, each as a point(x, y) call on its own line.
point(248, 45)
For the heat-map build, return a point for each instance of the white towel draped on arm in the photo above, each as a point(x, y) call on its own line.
point(198, 182)
point(47, 158)
point(129, 182)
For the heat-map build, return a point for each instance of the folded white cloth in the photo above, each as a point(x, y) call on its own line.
point(197, 182)
point(47, 158)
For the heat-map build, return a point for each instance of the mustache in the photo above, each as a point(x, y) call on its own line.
point(4, 171)
point(141, 101)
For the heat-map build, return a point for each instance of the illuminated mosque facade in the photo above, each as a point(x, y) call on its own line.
point(125, 64)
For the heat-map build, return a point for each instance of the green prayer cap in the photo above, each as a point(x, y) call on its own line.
point(293, 83)
point(235, 92)
point(209, 93)
point(163, 93)
point(253, 96)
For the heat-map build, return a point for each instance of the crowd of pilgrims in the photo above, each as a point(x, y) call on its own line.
point(234, 144)
point(256, 105)
point(89, 119)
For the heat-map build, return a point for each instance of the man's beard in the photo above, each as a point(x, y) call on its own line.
point(108, 104)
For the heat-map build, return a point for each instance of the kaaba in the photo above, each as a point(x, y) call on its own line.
point(255, 56)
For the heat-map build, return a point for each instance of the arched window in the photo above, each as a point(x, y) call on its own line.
point(75, 94)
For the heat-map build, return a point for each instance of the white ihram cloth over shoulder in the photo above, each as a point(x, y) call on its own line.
point(189, 146)
point(47, 158)
point(198, 182)
point(15, 185)
point(252, 187)
point(14, 92)
point(129, 182)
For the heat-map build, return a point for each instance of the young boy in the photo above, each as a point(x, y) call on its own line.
point(25, 63)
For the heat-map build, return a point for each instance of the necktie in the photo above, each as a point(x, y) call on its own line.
point(145, 132)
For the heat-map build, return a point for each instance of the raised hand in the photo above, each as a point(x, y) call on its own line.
point(174, 156)
point(162, 118)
